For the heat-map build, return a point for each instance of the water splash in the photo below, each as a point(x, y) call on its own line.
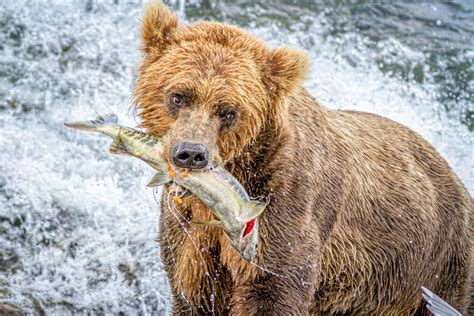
point(182, 12)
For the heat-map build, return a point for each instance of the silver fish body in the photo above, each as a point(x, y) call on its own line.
point(228, 200)
point(216, 187)
point(127, 141)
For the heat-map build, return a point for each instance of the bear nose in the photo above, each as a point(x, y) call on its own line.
point(190, 155)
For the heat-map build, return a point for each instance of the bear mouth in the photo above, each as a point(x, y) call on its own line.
point(179, 190)
point(184, 192)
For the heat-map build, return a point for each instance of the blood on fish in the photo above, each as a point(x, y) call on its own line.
point(249, 227)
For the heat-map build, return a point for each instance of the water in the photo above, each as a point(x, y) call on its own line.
point(78, 226)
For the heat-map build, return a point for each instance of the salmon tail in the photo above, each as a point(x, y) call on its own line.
point(94, 125)
point(252, 210)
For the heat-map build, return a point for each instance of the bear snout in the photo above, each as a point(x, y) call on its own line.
point(190, 155)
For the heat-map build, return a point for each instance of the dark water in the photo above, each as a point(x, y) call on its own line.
point(442, 32)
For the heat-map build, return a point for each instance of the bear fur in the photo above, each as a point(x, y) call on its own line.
point(362, 212)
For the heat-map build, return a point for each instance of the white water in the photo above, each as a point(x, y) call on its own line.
point(77, 225)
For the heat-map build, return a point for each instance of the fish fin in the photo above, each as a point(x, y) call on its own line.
point(159, 179)
point(212, 222)
point(118, 148)
point(436, 305)
point(252, 210)
point(94, 125)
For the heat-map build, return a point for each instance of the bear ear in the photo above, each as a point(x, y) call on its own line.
point(158, 26)
point(284, 69)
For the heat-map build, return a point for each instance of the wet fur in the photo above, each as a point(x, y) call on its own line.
point(363, 211)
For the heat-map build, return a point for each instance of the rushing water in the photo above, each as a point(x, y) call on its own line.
point(77, 225)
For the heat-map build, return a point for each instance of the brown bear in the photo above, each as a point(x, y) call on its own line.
point(362, 211)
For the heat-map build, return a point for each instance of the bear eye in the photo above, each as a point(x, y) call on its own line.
point(178, 100)
point(228, 116)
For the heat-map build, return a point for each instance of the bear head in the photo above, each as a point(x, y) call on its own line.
point(209, 89)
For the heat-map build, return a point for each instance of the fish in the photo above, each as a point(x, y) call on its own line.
point(436, 305)
point(236, 213)
point(220, 191)
point(127, 141)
